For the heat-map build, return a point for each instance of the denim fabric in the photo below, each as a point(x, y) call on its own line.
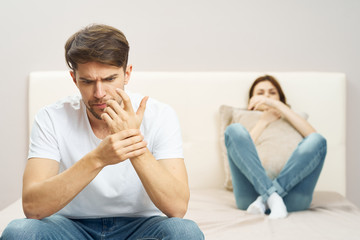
point(57, 227)
point(296, 181)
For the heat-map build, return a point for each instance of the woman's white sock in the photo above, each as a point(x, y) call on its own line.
point(257, 207)
point(277, 206)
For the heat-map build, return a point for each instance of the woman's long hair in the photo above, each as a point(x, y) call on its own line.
point(273, 82)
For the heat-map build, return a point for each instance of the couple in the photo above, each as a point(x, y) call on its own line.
point(74, 186)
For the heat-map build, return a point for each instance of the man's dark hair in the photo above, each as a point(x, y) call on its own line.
point(97, 43)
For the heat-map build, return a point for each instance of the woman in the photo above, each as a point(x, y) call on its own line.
point(293, 188)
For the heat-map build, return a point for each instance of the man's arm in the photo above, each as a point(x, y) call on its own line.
point(165, 181)
point(45, 191)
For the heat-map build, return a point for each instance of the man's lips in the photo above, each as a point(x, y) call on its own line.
point(99, 105)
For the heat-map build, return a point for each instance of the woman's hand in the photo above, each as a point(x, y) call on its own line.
point(270, 115)
point(262, 103)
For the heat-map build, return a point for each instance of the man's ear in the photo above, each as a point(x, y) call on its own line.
point(72, 73)
point(128, 71)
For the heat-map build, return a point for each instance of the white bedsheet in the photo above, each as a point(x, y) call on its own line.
point(330, 216)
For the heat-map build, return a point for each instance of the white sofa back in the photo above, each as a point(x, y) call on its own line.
point(197, 96)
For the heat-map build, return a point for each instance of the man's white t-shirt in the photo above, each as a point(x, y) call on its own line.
point(62, 132)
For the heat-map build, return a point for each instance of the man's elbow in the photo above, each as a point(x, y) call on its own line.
point(178, 212)
point(33, 212)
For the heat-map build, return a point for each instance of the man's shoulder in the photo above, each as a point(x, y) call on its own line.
point(69, 101)
point(64, 106)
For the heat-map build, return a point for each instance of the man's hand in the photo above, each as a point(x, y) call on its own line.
point(120, 118)
point(120, 146)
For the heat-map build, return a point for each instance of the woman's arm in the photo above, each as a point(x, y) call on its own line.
point(299, 123)
point(267, 117)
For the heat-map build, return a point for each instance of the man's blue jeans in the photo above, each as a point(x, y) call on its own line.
point(57, 227)
point(296, 181)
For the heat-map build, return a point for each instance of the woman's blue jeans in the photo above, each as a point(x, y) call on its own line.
point(57, 227)
point(296, 181)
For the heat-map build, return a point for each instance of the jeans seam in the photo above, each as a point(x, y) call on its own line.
point(260, 184)
point(298, 178)
point(149, 238)
point(145, 230)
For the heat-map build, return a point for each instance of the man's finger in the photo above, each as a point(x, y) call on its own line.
point(115, 110)
point(107, 119)
point(110, 111)
point(142, 107)
point(126, 100)
point(114, 105)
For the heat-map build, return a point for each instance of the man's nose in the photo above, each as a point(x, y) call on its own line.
point(99, 90)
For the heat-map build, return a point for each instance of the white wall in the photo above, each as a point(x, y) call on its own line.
point(187, 35)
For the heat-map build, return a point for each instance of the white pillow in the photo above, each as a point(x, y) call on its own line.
point(274, 146)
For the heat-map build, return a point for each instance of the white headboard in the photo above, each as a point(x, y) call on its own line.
point(196, 97)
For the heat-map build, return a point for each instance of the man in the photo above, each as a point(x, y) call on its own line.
point(108, 164)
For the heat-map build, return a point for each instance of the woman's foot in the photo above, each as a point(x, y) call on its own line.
point(277, 206)
point(257, 207)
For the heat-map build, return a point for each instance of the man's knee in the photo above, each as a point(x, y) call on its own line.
point(47, 228)
point(23, 229)
point(178, 228)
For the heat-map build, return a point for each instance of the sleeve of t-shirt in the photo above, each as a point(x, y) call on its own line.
point(167, 140)
point(43, 142)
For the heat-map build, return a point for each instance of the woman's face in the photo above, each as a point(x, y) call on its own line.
point(266, 89)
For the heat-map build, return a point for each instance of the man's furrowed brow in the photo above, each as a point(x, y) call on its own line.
point(85, 79)
point(115, 75)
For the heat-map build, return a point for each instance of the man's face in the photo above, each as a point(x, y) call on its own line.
point(97, 83)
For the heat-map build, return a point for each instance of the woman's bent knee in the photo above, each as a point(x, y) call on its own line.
point(317, 139)
point(314, 145)
point(236, 132)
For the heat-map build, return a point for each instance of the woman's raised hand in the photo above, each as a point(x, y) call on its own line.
point(270, 115)
point(262, 103)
